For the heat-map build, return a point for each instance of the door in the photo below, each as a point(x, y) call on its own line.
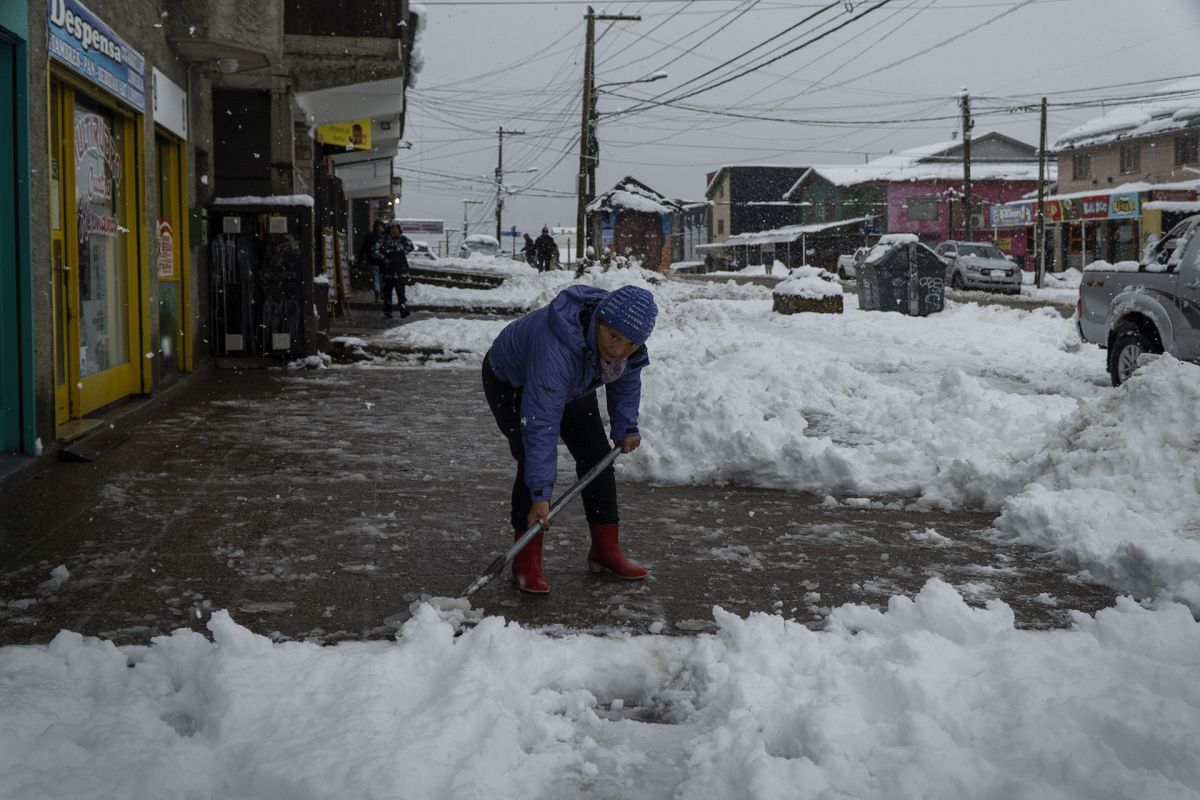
point(10, 341)
point(94, 246)
point(173, 348)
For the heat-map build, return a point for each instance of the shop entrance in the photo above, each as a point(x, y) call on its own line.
point(173, 351)
point(94, 246)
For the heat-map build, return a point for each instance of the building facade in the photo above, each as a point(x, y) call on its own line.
point(1123, 179)
point(748, 197)
point(146, 122)
point(633, 219)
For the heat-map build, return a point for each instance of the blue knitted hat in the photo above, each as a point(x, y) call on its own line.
point(630, 311)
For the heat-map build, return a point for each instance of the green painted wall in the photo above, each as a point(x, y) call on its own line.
point(17, 421)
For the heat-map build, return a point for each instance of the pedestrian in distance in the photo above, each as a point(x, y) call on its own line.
point(546, 250)
point(392, 251)
point(366, 254)
point(529, 251)
point(540, 378)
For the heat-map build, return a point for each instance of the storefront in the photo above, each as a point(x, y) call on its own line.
point(102, 350)
point(17, 425)
point(172, 299)
point(1080, 228)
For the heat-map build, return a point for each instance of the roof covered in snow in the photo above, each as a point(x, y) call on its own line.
point(941, 161)
point(631, 194)
point(1177, 106)
point(789, 233)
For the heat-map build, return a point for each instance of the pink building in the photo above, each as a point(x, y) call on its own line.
point(925, 188)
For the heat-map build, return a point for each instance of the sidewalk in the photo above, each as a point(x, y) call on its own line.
point(318, 504)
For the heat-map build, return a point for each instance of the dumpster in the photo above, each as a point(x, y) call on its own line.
point(902, 275)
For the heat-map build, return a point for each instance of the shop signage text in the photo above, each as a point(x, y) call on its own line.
point(79, 39)
point(96, 148)
point(1124, 205)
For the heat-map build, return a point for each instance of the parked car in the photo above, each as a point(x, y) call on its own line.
point(979, 265)
point(479, 243)
point(847, 265)
point(1132, 308)
point(422, 253)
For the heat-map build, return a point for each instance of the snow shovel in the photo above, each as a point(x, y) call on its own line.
point(497, 566)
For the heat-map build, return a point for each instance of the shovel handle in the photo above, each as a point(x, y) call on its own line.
point(497, 566)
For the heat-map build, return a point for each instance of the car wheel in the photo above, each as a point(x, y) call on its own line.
point(842, 273)
point(1127, 346)
point(956, 282)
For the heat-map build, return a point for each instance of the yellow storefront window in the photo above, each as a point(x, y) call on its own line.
point(101, 227)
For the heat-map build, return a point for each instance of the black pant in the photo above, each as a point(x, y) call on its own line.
point(582, 430)
point(390, 282)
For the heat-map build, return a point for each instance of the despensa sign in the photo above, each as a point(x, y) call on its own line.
point(88, 36)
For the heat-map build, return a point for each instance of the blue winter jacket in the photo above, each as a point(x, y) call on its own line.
point(553, 358)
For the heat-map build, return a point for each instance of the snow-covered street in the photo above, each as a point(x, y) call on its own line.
point(940, 694)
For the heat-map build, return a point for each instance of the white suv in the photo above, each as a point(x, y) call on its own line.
point(979, 265)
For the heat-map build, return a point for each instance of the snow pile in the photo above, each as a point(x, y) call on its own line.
point(1117, 491)
point(931, 699)
point(777, 268)
point(1104, 266)
point(941, 410)
point(811, 283)
point(1067, 279)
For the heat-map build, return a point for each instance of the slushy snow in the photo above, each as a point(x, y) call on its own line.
point(976, 407)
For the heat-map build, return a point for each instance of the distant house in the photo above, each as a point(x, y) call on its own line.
point(633, 218)
point(1126, 175)
point(749, 197)
point(921, 190)
point(689, 230)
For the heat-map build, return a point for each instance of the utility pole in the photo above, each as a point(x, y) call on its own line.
point(1040, 230)
point(967, 124)
point(501, 133)
point(586, 181)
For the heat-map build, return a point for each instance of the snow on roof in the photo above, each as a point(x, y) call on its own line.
point(1178, 107)
point(483, 238)
point(1136, 187)
point(789, 233)
point(265, 200)
point(631, 194)
point(1176, 206)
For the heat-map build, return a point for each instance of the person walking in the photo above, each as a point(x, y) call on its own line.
point(545, 248)
point(529, 251)
point(540, 379)
point(391, 251)
point(366, 254)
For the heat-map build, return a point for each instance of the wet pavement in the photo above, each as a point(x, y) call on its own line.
point(318, 504)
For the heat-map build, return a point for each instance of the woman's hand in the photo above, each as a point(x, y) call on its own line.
point(629, 443)
point(539, 512)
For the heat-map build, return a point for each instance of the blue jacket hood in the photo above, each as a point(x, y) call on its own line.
point(550, 354)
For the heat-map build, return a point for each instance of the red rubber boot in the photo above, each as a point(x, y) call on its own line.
point(527, 566)
point(605, 554)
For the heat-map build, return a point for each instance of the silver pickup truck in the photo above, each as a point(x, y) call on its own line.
point(1153, 306)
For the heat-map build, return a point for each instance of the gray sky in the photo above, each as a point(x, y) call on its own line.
point(519, 65)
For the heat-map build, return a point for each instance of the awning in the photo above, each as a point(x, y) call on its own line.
point(383, 98)
point(791, 233)
point(366, 178)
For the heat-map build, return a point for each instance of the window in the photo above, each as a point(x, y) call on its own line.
point(1081, 166)
point(720, 226)
point(1131, 158)
point(1186, 150)
point(922, 208)
point(830, 211)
